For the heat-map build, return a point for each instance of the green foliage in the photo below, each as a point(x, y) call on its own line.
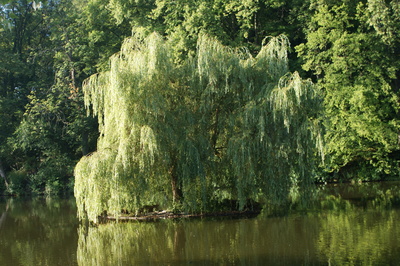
point(44, 144)
point(9, 119)
point(234, 23)
point(88, 35)
point(21, 39)
point(54, 176)
point(48, 48)
point(42, 111)
point(219, 121)
point(18, 183)
point(356, 68)
point(350, 47)
point(384, 17)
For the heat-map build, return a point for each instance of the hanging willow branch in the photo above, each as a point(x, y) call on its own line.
point(220, 125)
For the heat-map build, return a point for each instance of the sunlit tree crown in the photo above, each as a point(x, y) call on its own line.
point(222, 124)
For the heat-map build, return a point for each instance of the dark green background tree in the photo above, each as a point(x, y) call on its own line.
point(352, 50)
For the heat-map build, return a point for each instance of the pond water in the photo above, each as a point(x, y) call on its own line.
point(349, 224)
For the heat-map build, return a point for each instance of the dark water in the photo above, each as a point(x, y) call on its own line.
point(38, 232)
point(348, 225)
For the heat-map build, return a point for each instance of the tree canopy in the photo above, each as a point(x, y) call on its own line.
point(350, 49)
point(215, 114)
point(220, 125)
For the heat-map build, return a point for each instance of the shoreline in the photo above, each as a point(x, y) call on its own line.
point(170, 215)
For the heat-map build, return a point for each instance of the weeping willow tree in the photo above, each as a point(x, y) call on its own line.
point(219, 125)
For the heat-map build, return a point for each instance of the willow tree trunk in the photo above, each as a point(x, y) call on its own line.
point(176, 189)
point(215, 133)
point(396, 87)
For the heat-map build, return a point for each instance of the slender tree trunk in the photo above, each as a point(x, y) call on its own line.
point(396, 88)
point(215, 133)
point(176, 190)
point(3, 174)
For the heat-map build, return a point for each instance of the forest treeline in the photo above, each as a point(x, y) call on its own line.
point(348, 51)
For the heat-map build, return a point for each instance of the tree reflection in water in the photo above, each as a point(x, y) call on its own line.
point(346, 225)
point(334, 230)
point(3, 215)
point(39, 231)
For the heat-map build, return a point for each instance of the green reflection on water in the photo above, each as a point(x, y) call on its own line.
point(38, 232)
point(247, 242)
point(347, 225)
point(336, 238)
point(360, 237)
point(362, 226)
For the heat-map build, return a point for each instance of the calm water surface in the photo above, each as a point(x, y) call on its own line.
point(38, 232)
point(356, 225)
